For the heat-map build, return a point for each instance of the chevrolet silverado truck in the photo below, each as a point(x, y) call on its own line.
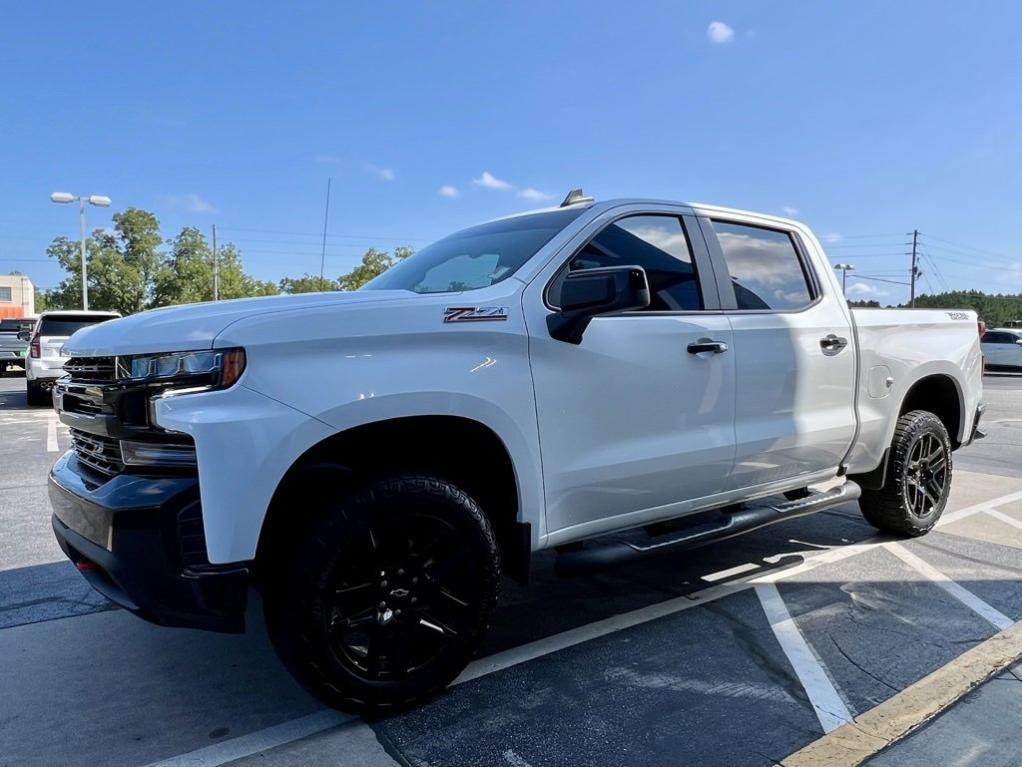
point(374, 462)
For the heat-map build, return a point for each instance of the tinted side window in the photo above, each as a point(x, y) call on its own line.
point(764, 267)
point(656, 243)
point(995, 337)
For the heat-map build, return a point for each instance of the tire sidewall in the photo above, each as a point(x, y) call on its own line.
point(913, 427)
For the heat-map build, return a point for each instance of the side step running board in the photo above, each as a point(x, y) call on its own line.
point(728, 524)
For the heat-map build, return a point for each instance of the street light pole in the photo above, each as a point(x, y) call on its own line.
point(845, 269)
point(98, 200)
point(81, 242)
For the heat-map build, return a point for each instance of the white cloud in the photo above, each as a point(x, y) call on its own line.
point(448, 191)
point(719, 33)
point(191, 203)
point(790, 211)
point(831, 237)
point(328, 159)
point(529, 193)
point(384, 174)
point(862, 289)
point(489, 181)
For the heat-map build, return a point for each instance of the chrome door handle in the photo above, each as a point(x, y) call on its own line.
point(832, 344)
point(707, 345)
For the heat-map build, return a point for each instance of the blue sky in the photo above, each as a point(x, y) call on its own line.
point(865, 119)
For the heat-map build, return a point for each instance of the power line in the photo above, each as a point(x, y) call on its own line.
point(974, 249)
point(879, 279)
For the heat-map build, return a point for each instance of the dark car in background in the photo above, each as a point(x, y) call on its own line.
point(13, 348)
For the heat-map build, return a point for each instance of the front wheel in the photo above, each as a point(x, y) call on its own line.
point(918, 479)
point(383, 600)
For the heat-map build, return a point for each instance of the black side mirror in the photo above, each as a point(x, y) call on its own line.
point(589, 293)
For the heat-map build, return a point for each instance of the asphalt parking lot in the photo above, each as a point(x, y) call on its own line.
point(739, 653)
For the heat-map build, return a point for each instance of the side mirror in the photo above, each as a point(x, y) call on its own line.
point(590, 293)
point(1019, 342)
point(25, 335)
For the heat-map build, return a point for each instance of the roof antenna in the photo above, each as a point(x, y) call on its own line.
point(574, 197)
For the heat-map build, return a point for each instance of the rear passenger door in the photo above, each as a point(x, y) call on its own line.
point(794, 354)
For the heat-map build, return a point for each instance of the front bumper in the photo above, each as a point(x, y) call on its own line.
point(139, 541)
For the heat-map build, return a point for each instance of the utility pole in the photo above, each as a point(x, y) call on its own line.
point(326, 218)
point(216, 269)
point(915, 268)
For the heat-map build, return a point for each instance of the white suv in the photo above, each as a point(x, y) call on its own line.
point(45, 363)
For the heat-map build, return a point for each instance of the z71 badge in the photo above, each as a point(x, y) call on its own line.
point(475, 313)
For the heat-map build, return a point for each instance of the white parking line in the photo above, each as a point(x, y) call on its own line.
point(987, 612)
point(823, 696)
point(208, 757)
point(51, 433)
point(1004, 518)
point(261, 740)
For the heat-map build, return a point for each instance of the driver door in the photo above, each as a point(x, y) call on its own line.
point(633, 424)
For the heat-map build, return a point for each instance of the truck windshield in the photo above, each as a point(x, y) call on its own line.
point(476, 257)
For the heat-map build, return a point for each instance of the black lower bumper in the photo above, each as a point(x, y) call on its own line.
point(139, 541)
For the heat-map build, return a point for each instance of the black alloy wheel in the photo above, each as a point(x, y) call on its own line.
point(383, 599)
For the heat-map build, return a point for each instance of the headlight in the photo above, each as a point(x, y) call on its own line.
point(216, 368)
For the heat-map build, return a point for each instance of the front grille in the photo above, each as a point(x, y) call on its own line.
point(100, 453)
point(90, 369)
point(74, 403)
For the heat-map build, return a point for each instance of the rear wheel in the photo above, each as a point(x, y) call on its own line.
point(383, 600)
point(918, 479)
point(36, 394)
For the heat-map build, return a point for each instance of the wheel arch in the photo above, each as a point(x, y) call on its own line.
point(940, 394)
point(463, 450)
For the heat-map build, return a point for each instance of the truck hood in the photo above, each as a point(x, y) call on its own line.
point(195, 326)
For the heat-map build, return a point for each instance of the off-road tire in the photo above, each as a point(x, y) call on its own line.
point(352, 534)
point(889, 508)
point(35, 394)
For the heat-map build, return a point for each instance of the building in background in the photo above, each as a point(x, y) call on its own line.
point(17, 296)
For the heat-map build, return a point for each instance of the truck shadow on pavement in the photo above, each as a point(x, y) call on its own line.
point(115, 689)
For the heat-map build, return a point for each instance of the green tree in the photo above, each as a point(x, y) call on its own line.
point(122, 265)
point(129, 273)
point(374, 263)
point(308, 283)
point(994, 309)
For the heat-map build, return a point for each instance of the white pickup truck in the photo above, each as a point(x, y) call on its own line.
point(374, 461)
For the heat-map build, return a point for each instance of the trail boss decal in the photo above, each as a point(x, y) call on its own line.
point(475, 313)
point(957, 315)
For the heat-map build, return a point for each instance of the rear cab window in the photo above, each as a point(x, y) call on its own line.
point(765, 268)
point(68, 324)
point(16, 325)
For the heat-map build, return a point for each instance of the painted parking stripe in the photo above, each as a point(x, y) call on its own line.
point(1004, 518)
point(51, 432)
point(989, 613)
point(905, 712)
point(261, 740)
point(823, 696)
